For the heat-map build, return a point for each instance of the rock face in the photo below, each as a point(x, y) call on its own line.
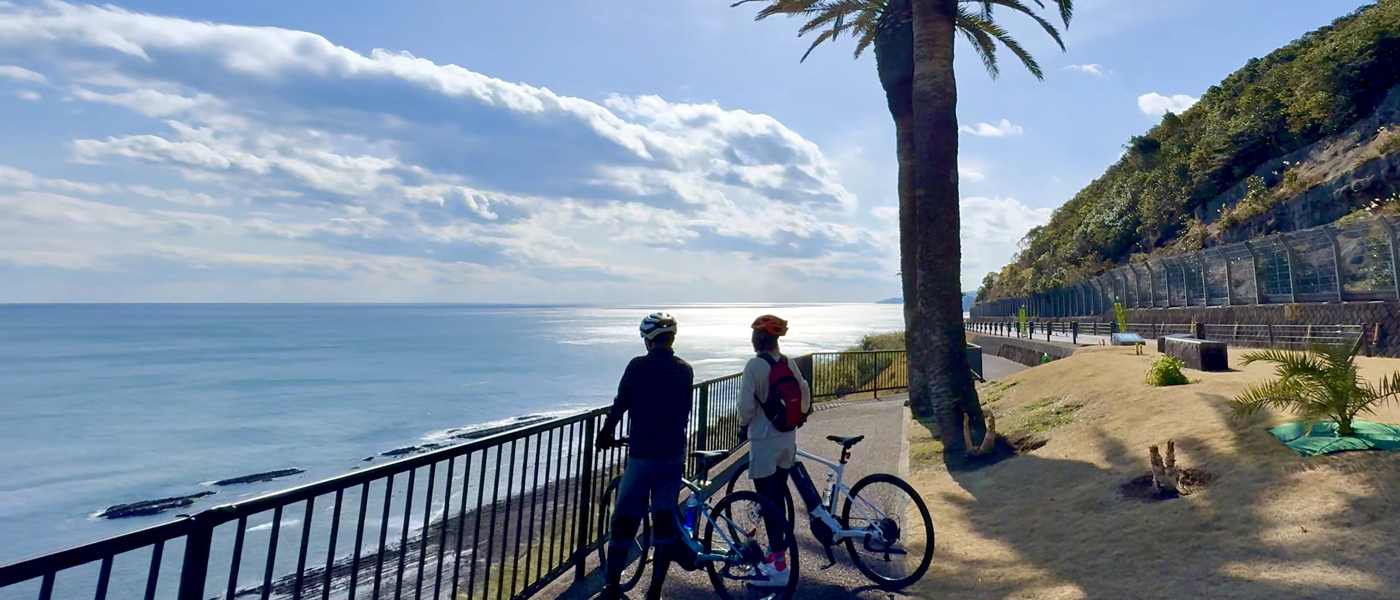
point(259, 477)
point(407, 450)
point(458, 434)
point(150, 507)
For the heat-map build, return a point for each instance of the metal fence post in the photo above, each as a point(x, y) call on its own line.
point(1229, 281)
point(1394, 256)
point(1205, 286)
point(585, 512)
point(1336, 262)
point(195, 567)
point(1167, 280)
point(1292, 272)
point(1151, 283)
point(1254, 266)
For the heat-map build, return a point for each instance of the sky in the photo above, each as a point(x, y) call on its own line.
point(538, 151)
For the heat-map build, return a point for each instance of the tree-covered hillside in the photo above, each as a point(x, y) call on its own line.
point(1152, 199)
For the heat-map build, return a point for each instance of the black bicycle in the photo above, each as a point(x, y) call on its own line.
point(732, 547)
point(884, 523)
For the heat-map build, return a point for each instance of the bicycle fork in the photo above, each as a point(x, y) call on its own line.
point(824, 524)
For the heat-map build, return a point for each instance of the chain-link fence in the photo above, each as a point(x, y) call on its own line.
point(1332, 263)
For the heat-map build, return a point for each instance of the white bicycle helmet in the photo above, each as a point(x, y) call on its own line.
point(656, 324)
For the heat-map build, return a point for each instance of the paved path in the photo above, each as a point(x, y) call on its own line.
point(996, 367)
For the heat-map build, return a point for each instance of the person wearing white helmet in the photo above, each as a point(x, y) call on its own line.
point(656, 393)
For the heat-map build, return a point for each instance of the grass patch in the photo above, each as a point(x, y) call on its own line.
point(1166, 370)
point(1048, 414)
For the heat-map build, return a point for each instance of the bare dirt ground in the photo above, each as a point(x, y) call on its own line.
point(1053, 523)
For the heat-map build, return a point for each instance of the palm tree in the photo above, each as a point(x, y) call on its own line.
point(940, 384)
point(1316, 385)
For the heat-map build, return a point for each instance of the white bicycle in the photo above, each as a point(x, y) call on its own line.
point(891, 544)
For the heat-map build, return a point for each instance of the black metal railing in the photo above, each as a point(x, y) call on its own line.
point(1295, 337)
point(492, 519)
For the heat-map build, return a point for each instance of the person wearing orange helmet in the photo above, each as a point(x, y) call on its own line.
point(772, 444)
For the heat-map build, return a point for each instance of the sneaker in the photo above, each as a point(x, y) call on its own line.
point(773, 572)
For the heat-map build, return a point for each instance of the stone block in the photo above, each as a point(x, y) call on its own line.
point(1202, 355)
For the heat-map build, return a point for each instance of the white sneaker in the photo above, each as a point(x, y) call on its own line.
point(770, 576)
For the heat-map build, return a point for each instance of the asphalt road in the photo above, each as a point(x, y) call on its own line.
point(996, 367)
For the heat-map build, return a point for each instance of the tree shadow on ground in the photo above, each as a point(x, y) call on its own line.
point(1059, 528)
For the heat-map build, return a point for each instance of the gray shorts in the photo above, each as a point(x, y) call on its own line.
point(657, 480)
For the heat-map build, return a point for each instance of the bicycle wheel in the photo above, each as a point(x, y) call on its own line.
point(742, 482)
point(637, 551)
point(898, 542)
point(736, 531)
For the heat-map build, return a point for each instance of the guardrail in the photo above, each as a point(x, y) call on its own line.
point(1333, 263)
point(495, 518)
point(1295, 337)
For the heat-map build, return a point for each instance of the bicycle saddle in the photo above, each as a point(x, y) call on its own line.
point(846, 442)
point(704, 459)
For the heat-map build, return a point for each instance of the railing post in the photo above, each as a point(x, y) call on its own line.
point(1074, 332)
point(1336, 262)
point(585, 512)
point(195, 567)
point(702, 424)
point(1254, 266)
point(1394, 255)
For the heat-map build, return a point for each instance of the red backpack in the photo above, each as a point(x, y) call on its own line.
point(784, 404)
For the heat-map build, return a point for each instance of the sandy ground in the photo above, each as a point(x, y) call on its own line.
point(1052, 524)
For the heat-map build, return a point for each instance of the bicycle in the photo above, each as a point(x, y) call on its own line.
point(882, 532)
point(733, 544)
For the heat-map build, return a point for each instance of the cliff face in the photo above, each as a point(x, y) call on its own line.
point(1298, 138)
point(1351, 171)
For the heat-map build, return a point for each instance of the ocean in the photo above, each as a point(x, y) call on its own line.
point(112, 404)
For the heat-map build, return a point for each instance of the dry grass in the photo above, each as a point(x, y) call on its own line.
point(1051, 523)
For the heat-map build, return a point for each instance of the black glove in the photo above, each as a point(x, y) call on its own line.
point(605, 440)
point(743, 434)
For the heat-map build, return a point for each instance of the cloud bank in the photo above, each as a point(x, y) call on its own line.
point(1156, 105)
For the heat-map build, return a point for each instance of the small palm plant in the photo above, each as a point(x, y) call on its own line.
point(1322, 383)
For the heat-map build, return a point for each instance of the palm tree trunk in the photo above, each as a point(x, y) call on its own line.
point(894, 61)
point(936, 340)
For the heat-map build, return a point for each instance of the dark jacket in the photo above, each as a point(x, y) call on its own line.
point(656, 393)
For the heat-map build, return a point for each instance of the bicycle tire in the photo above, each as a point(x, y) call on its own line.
point(629, 579)
point(791, 550)
point(789, 507)
point(888, 583)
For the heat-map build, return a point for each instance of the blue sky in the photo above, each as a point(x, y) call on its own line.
point(628, 151)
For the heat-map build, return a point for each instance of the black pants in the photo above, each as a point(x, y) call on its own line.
point(775, 488)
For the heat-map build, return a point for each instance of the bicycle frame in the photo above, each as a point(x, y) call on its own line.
point(862, 506)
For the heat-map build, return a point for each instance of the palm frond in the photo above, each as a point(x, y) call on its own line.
point(975, 29)
point(1001, 35)
point(1277, 393)
point(1020, 7)
point(826, 35)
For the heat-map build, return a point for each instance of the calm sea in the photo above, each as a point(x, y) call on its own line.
point(109, 404)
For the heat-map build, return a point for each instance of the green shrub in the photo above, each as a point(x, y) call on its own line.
point(1166, 371)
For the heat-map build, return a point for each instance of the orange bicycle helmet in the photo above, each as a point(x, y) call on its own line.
point(771, 324)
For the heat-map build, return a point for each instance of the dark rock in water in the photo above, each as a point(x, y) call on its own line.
point(407, 450)
point(489, 431)
point(368, 458)
point(259, 477)
point(150, 507)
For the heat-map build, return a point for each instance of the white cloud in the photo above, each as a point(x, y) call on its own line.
point(972, 174)
point(21, 74)
point(1156, 105)
point(1002, 128)
point(13, 178)
point(301, 153)
point(991, 227)
point(30, 95)
point(1092, 69)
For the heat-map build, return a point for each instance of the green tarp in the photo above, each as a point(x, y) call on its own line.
point(1323, 438)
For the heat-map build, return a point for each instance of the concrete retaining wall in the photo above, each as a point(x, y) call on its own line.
point(1026, 352)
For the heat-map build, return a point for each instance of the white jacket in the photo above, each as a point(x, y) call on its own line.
point(753, 390)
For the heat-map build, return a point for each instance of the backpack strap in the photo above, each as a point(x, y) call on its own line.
point(768, 358)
